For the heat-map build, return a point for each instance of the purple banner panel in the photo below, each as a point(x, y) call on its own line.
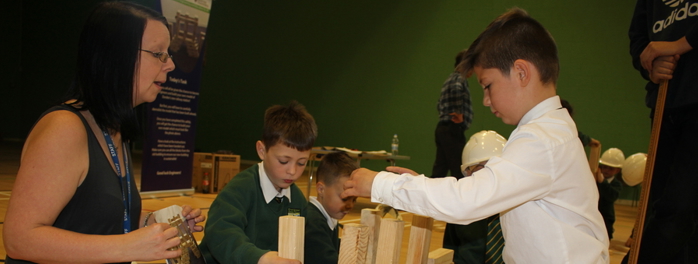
point(168, 149)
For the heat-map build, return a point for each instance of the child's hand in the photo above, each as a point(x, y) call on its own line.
point(594, 143)
point(359, 184)
point(456, 118)
point(663, 68)
point(272, 257)
point(656, 49)
point(193, 217)
point(599, 176)
point(401, 170)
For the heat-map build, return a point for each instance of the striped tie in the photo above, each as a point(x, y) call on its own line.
point(495, 241)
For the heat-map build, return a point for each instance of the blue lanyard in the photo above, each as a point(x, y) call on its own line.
point(127, 201)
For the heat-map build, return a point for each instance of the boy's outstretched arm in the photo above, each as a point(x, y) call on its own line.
point(401, 170)
point(360, 183)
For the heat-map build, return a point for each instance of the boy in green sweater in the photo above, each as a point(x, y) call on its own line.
point(321, 225)
point(243, 222)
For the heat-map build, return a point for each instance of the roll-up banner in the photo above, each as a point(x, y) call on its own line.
point(168, 148)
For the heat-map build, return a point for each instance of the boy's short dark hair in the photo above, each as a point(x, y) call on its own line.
point(514, 35)
point(292, 125)
point(335, 165)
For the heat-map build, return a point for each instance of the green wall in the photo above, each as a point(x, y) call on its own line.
point(364, 69)
point(369, 69)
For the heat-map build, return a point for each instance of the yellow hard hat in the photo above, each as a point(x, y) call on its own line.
point(481, 147)
point(613, 157)
point(634, 169)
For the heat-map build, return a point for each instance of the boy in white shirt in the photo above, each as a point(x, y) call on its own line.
point(541, 185)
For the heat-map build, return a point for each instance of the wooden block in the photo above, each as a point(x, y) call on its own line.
point(440, 256)
point(389, 241)
point(420, 239)
point(291, 237)
point(594, 154)
point(354, 244)
point(372, 219)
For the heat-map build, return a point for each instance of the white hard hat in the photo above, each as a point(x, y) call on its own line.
point(634, 169)
point(481, 147)
point(613, 157)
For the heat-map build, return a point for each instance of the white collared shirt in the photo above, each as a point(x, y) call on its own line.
point(268, 189)
point(541, 186)
point(331, 222)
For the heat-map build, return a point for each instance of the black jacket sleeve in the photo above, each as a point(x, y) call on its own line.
point(639, 37)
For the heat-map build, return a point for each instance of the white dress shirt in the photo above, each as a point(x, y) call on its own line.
point(268, 189)
point(541, 185)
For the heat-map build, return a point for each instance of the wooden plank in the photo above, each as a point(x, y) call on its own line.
point(649, 169)
point(594, 154)
point(440, 256)
point(291, 237)
point(420, 239)
point(354, 244)
point(389, 241)
point(372, 219)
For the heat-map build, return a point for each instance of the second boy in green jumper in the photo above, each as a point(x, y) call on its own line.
point(321, 225)
point(243, 222)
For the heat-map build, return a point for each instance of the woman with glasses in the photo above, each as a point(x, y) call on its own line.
point(75, 198)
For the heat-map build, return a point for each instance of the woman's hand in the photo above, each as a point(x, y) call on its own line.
point(153, 242)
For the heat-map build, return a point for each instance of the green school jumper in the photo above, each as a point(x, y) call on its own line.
point(241, 226)
point(321, 242)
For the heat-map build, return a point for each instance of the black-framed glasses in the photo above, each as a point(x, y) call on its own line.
point(162, 56)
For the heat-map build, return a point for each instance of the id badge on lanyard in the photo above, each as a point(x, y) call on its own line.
point(125, 196)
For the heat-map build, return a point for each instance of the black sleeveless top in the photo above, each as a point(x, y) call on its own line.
point(96, 206)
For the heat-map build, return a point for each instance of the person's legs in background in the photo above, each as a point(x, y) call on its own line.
point(450, 140)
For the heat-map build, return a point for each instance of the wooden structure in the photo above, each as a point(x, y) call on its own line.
point(379, 240)
point(354, 244)
point(389, 241)
point(291, 237)
point(441, 256)
point(420, 238)
point(372, 219)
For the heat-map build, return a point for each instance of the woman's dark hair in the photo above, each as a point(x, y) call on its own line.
point(108, 51)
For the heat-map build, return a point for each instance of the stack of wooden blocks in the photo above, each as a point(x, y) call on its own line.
point(375, 240)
